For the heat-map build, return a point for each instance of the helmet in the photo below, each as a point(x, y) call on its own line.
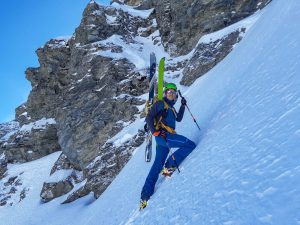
point(170, 86)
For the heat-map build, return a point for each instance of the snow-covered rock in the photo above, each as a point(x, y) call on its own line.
point(30, 141)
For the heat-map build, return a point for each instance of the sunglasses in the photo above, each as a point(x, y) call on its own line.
point(170, 91)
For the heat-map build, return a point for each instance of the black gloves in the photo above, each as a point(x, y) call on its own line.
point(183, 101)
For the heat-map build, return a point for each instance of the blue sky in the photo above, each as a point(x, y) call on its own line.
point(25, 26)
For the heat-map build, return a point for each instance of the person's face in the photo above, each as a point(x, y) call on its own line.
point(171, 94)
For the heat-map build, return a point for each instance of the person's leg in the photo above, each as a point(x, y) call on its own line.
point(185, 145)
point(161, 155)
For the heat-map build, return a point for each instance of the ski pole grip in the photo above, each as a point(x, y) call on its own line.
point(180, 93)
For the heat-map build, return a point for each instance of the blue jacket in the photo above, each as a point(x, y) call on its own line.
point(169, 118)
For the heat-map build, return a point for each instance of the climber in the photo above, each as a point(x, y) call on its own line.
point(161, 121)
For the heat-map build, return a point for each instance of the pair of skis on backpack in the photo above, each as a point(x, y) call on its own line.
point(151, 98)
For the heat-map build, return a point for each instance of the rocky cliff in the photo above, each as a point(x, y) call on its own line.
point(91, 86)
point(183, 23)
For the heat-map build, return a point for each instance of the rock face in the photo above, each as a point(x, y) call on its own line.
point(207, 55)
point(129, 2)
point(103, 90)
point(49, 80)
point(99, 23)
point(31, 141)
point(3, 165)
point(87, 87)
point(100, 172)
point(65, 178)
point(7, 128)
point(55, 189)
point(182, 23)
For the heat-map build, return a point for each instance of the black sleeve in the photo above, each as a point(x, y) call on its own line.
point(155, 109)
point(180, 113)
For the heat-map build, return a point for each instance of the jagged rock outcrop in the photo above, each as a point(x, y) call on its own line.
point(92, 108)
point(37, 136)
point(64, 177)
point(6, 128)
point(102, 170)
point(99, 23)
point(21, 115)
point(183, 23)
point(104, 90)
point(207, 55)
point(128, 2)
point(3, 165)
point(32, 141)
point(55, 189)
point(49, 80)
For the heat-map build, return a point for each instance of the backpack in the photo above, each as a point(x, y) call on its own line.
point(158, 121)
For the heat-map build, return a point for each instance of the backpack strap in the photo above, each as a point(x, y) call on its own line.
point(159, 124)
point(166, 107)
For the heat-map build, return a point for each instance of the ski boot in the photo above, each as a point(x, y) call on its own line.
point(143, 204)
point(167, 172)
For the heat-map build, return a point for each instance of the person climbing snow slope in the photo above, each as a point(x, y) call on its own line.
point(161, 120)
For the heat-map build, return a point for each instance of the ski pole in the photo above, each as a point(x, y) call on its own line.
point(189, 111)
point(172, 155)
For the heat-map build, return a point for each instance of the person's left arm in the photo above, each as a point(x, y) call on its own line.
point(181, 110)
point(180, 113)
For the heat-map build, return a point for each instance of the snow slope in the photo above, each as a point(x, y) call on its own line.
point(246, 167)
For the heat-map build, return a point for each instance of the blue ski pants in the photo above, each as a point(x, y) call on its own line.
point(185, 147)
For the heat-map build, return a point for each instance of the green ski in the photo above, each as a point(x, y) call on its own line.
point(161, 68)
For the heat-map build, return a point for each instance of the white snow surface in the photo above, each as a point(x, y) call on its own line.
point(110, 19)
point(137, 53)
point(60, 175)
point(39, 124)
point(246, 167)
